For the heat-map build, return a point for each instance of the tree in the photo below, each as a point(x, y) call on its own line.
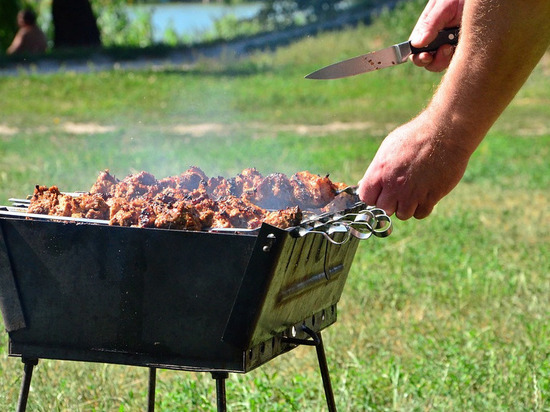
point(75, 24)
point(283, 13)
point(8, 22)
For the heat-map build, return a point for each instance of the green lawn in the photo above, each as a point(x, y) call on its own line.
point(450, 313)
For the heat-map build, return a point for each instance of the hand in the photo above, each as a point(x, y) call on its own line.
point(437, 15)
point(415, 166)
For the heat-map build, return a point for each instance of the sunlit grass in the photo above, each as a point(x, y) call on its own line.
point(449, 313)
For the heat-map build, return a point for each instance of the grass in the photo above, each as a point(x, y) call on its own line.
point(449, 313)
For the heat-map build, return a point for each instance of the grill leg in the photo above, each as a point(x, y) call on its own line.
point(26, 383)
point(152, 387)
point(329, 394)
point(220, 390)
point(327, 385)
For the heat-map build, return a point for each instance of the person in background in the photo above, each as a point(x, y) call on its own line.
point(29, 38)
point(501, 42)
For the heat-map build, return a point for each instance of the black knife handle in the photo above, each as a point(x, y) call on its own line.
point(445, 36)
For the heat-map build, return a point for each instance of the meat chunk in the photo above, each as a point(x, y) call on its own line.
point(191, 179)
point(104, 183)
point(341, 202)
point(90, 206)
point(246, 181)
point(274, 192)
point(312, 191)
point(180, 215)
point(242, 184)
point(237, 212)
point(285, 218)
point(136, 185)
point(44, 200)
point(123, 213)
point(50, 201)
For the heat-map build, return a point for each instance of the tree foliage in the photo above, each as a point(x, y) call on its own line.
point(284, 13)
point(8, 23)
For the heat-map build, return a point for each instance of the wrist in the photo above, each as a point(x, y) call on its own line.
point(451, 130)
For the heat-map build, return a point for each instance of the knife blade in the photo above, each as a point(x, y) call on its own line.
point(390, 56)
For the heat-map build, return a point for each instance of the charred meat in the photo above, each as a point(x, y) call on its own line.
point(50, 201)
point(193, 201)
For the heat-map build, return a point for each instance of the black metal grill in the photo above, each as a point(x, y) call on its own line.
point(196, 301)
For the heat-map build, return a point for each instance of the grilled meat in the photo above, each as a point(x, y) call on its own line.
point(89, 206)
point(284, 218)
point(192, 201)
point(274, 192)
point(246, 181)
point(341, 202)
point(191, 179)
point(237, 212)
point(50, 201)
point(123, 213)
point(180, 215)
point(218, 187)
point(242, 184)
point(104, 183)
point(44, 200)
point(136, 185)
point(312, 191)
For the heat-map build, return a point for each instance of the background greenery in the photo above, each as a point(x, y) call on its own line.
point(118, 30)
point(449, 313)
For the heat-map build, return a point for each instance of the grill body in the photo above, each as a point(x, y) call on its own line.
point(162, 298)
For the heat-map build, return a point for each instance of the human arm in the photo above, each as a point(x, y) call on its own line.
point(16, 44)
point(501, 42)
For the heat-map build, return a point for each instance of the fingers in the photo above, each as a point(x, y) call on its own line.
point(423, 211)
point(376, 195)
point(435, 62)
point(386, 202)
point(404, 207)
point(405, 212)
point(441, 59)
point(422, 59)
point(368, 192)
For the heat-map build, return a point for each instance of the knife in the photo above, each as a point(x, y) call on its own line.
point(390, 56)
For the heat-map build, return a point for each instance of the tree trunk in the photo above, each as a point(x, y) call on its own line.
point(74, 24)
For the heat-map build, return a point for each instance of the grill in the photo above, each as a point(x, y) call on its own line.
point(221, 301)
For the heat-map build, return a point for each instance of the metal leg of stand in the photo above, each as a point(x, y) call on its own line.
point(220, 390)
point(329, 394)
point(152, 388)
point(321, 357)
point(26, 383)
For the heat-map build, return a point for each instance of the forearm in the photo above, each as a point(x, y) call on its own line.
point(15, 45)
point(501, 42)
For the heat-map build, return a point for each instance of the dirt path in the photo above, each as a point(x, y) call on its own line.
point(201, 129)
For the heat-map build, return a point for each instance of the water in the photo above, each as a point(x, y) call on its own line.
point(189, 20)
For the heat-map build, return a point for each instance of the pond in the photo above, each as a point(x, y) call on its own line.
point(190, 19)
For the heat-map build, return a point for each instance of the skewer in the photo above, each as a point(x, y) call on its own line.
point(52, 217)
point(350, 190)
